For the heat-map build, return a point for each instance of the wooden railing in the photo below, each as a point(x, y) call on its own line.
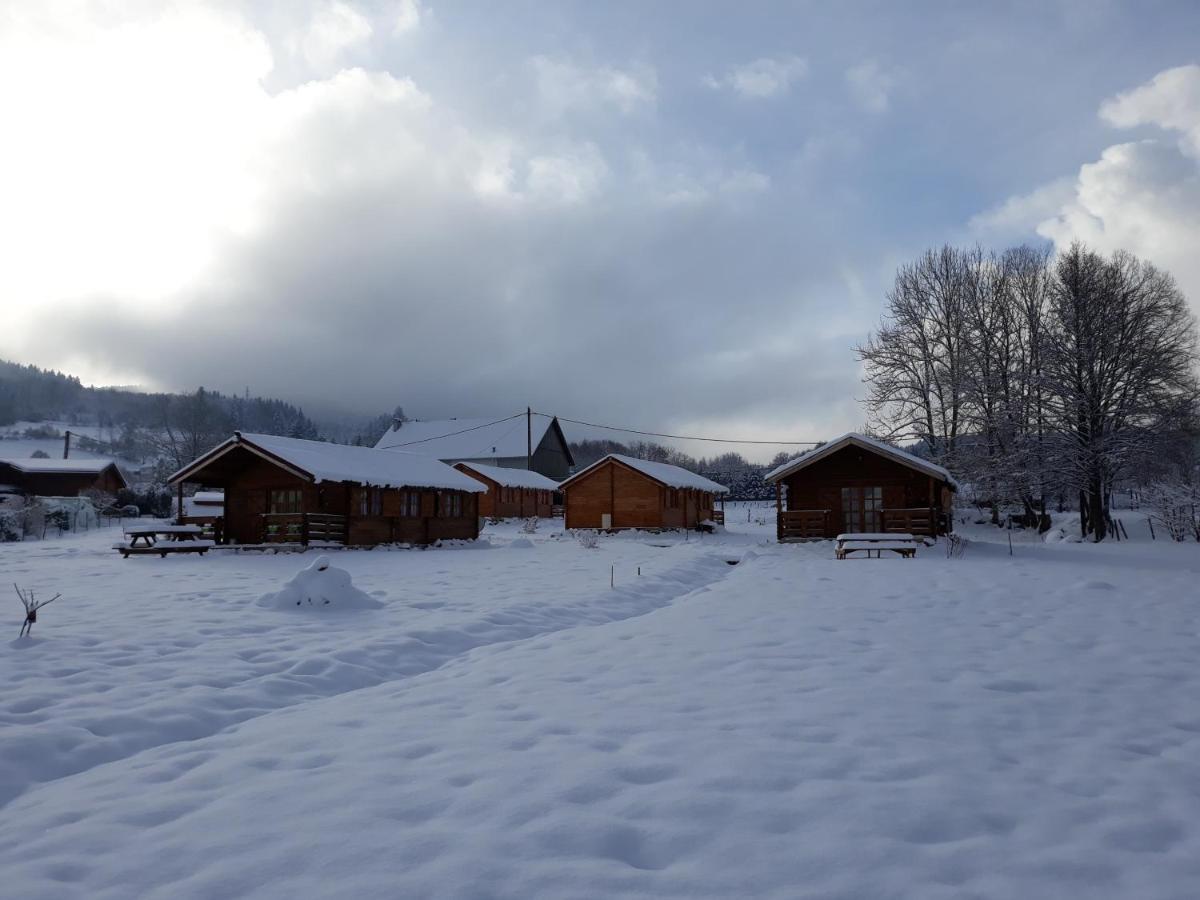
point(802, 524)
point(916, 520)
point(301, 528)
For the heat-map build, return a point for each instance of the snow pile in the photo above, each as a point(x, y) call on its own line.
point(521, 543)
point(320, 586)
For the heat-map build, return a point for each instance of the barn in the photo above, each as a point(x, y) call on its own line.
point(512, 492)
point(623, 492)
point(857, 484)
point(61, 477)
point(535, 442)
point(288, 490)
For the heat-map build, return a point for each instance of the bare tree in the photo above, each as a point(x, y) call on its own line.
point(189, 426)
point(1119, 358)
point(915, 361)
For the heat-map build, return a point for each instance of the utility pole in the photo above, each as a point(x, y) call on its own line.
point(529, 438)
point(66, 445)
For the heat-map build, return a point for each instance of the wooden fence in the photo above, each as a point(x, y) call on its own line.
point(802, 524)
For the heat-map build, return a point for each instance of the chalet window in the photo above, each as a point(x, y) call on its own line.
point(370, 501)
point(410, 504)
point(672, 498)
point(449, 505)
point(286, 500)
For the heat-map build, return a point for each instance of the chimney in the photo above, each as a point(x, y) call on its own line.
point(396, 423)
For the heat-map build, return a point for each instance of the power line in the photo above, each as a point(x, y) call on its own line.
point(438, 437)
point(680, 437)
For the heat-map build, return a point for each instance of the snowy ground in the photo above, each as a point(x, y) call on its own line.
point(508, 725)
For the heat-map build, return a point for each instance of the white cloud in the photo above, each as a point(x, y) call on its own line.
point(762, 78)
point(870, 86)
point(407, 16)
point(1170, 100)
point(566, 178)
point(113, 179)
point(564, 85)
point(1019, 216)
point(1142, 196)
point(335, 29)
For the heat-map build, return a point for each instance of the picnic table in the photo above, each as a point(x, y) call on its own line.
point(162, 539)
point(874, 543)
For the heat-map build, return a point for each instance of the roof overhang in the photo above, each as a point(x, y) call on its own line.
point(853, 440)
point(237, 442)
point(563, 485)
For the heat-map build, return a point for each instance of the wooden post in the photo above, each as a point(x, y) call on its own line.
point(66, 445)
point(778, 512)
point(528, 438)
point(179, 509)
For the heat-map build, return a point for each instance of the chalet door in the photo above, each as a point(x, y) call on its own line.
point(862, 509)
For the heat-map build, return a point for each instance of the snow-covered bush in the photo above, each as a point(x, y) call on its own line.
point(589, 540)
point(1175, 508)
point(530, 525)
point(12, 525)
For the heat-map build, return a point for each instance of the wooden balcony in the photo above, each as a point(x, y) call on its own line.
point(920, 520)
point(303, 528)
point(802, 525)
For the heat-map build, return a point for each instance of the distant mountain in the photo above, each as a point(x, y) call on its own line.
point(133, 417)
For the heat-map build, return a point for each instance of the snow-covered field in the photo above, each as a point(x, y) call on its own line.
point(506, 724)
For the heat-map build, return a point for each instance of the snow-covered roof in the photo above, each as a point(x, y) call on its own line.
point(59, 466)
point(455, 440)
point(517, 478)
point(208, 497)
point(867, 443)
point(319, 461)
point(663, 473)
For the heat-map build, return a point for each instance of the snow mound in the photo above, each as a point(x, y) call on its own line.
point(521, 544)
point(320, 586)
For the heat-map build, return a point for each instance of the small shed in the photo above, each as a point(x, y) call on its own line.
point(623, 492)
point(61, 477)
point(858, 484)
point(512, 492)
point(288, 490)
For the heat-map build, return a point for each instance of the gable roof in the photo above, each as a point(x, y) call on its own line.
point(664, 473)
point(38, 466)
point(464, 439)
point(318, 461)
point(866, 443)
point(506, 477)
point(59, 466)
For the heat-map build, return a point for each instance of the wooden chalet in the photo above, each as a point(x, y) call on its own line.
point(535, 443)
point(512, 492)
point(287, 490)
point(622, 492)
point(856, 484)
point(61, 477)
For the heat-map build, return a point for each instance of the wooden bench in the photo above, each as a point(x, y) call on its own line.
point(873, 544)
point(143, 540)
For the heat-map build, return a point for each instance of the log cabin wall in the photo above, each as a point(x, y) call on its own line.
point(513, 502)
point(433, 524)
point(819, 486)
point(64, 484)
point(248, 492)
point(247, 498)
point(633, 500)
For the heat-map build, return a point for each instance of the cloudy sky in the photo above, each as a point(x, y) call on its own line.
point(676, 216)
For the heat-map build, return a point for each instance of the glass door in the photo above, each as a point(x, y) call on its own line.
point(862, 509)
point(851, 510)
